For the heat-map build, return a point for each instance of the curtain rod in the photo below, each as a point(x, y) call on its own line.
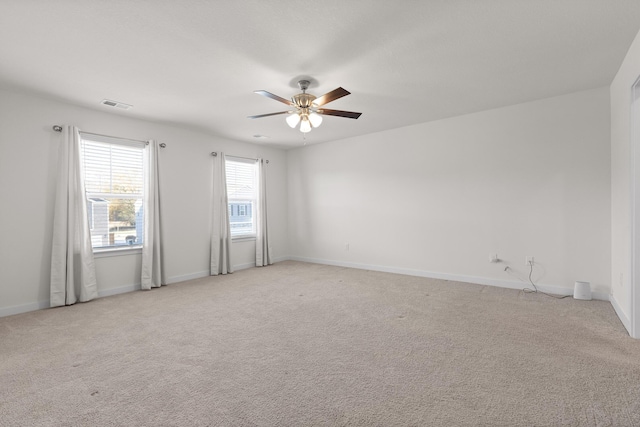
point(58, 128)
point(214, 154)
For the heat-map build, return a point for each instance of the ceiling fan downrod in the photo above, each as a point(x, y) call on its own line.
point(303, 85)
point(303, 100)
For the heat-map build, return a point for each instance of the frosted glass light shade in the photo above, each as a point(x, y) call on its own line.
point(293, 119)
point(305, 126)
point(315, 119)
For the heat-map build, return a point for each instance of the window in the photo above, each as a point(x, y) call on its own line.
point(241, 191)
point(113, 171)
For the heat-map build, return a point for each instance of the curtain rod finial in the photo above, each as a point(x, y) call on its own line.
point(57, 128)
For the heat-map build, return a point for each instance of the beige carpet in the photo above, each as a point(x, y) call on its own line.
point(298, 344)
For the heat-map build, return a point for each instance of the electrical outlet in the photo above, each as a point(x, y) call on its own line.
point(621, 280)
point(528, 260)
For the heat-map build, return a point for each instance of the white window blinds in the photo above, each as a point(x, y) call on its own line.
point(114, 181)
point(113, 169)
point(241, 192)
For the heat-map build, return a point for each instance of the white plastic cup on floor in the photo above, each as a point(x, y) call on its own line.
point(582, 290)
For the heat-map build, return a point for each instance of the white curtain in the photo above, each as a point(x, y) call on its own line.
point(73, 272)
point(152, 251)
point(263, 252)
point(220, 231)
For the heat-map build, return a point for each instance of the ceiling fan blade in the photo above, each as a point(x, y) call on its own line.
point(331, 96)
point(339, 113)
point(272, 96)
point(267, 115)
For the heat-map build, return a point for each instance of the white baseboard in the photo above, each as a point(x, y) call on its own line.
point(239, 267)
point(201, 274)
point(19, 309)
point(511, 284)
point(185, 277)
point(621, 314)
point(120, 290)
point(501, 283)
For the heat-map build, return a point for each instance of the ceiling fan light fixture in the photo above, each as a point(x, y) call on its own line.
point(293, 119)
point(305, 126)
point(315, 119)
point(307, 108)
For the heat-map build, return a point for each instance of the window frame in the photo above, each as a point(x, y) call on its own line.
point(253, 200)
point(114, 250)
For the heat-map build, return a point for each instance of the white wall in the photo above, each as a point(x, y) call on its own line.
point(432, 199)
point(622, 149)
point(436, 199)
point(28, 156)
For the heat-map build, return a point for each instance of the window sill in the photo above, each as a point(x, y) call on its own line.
point(243, 238)
point(109, 252)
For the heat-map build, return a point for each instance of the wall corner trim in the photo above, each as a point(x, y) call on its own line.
point(621, 315)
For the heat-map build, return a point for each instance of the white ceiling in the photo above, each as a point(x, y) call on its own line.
point(197, 62)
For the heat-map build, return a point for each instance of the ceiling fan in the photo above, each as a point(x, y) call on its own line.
point(306, 107)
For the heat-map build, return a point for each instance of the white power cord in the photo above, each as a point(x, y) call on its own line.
point(535, 288)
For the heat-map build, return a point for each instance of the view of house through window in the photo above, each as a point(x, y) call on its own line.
point(114, 182)
point(241, 192)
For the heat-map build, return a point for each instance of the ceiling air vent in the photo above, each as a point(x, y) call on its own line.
point(116, 104)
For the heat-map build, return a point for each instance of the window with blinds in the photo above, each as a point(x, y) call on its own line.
point(242, 178)
point(114, 181)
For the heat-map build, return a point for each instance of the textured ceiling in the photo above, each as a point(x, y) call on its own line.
point(197, 62)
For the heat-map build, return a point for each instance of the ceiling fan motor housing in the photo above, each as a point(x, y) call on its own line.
point(303, 100)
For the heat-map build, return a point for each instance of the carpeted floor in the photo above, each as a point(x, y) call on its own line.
point(298, 344)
